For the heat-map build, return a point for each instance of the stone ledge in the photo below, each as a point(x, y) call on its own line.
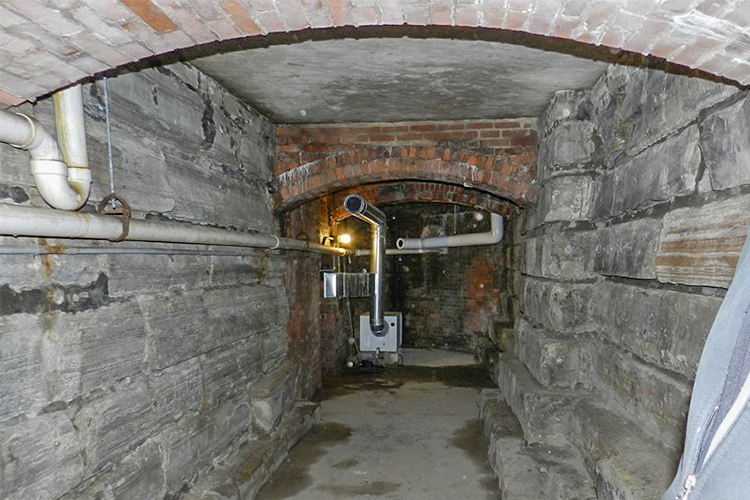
point(241, 476)
point(544, 414)
point(628, 464)
point(554, 472)
point(271, 396)
point(553, 362)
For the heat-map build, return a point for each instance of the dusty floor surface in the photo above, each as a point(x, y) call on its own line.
point(409, 433)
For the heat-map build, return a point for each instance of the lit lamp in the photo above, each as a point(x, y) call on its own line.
point(344, 239)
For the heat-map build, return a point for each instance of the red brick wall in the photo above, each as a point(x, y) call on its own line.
point(496, 156)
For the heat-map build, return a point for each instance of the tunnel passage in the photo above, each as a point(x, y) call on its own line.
point(174, 370)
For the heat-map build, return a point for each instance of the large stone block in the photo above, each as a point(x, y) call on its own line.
point(658, 174)
point(566, 105)
point(136, 274)
point(186, 445)
point(666, 328)
point(116, 424)
point(628, 463)
point(41, 457)
point(139, 475)
point(275, 347)
point(97, 348)
point(567, 198)
point(566, 255)
point(701, 245)
point(177, 390)
point(629, 249)
point(569, 145)
point(271, 396)
point(554, 362)
point(229, 370)
point(658, 401)
point(725, 143)
point(173, 312)
point(25, 388)
point(559, 307)
point(638, 107)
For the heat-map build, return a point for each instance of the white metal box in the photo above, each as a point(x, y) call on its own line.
point(390, 342)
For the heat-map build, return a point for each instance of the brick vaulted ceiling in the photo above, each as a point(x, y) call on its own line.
point(47, 44)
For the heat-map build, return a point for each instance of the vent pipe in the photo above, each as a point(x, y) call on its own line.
point(494, 235)
point(359, 208)
point(62, 176)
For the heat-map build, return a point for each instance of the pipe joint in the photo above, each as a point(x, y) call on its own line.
point(61, 187)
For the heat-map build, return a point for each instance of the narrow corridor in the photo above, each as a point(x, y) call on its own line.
point(409, 433)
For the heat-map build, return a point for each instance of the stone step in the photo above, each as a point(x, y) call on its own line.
point(241, 476)
point(628, 464)
point(530, 472)
point(554, 362)
point(544, 414)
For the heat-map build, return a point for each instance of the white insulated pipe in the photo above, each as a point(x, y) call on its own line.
point(366, 252)
point(19, 220)
point(62, 177)
point(494, 235)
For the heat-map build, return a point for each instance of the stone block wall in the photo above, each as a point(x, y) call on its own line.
point(621, 267)
point(125, 376)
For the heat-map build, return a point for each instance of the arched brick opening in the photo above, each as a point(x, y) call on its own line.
point(494, 156)
point(47, 46)
point(392, 193)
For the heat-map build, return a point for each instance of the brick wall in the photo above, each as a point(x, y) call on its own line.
point(48, 44)
point(497, 156)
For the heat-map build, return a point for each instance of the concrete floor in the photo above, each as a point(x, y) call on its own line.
point(409, 433)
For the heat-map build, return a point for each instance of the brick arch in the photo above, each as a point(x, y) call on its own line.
point(494, 156)
point(392, 193)
point(47, 45)
point(501, 177)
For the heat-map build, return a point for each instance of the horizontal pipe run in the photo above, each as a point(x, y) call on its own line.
point(494, 235)
point(365, 252)
point(18, 220)
point(79, 250)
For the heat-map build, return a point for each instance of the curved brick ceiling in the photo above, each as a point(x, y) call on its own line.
point(47, 44)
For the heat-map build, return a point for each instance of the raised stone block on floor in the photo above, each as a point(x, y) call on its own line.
point(541, 471)
point(628, 464)
point(271, 396)
point(247, 469)
point(554, 361)
point(544, 414)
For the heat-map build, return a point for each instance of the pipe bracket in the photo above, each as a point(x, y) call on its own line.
point(124, 211)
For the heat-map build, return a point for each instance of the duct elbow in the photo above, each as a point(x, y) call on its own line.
point(496, 230)
point(61, 187)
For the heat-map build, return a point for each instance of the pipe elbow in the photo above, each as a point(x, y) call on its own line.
point(496, 230)
point(61, 187)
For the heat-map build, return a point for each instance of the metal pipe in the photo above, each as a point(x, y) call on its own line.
point(364, 252)
point(358, 207)
point(18, 220)
point(494, 235)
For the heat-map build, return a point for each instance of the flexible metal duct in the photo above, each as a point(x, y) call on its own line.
point(359, 208)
